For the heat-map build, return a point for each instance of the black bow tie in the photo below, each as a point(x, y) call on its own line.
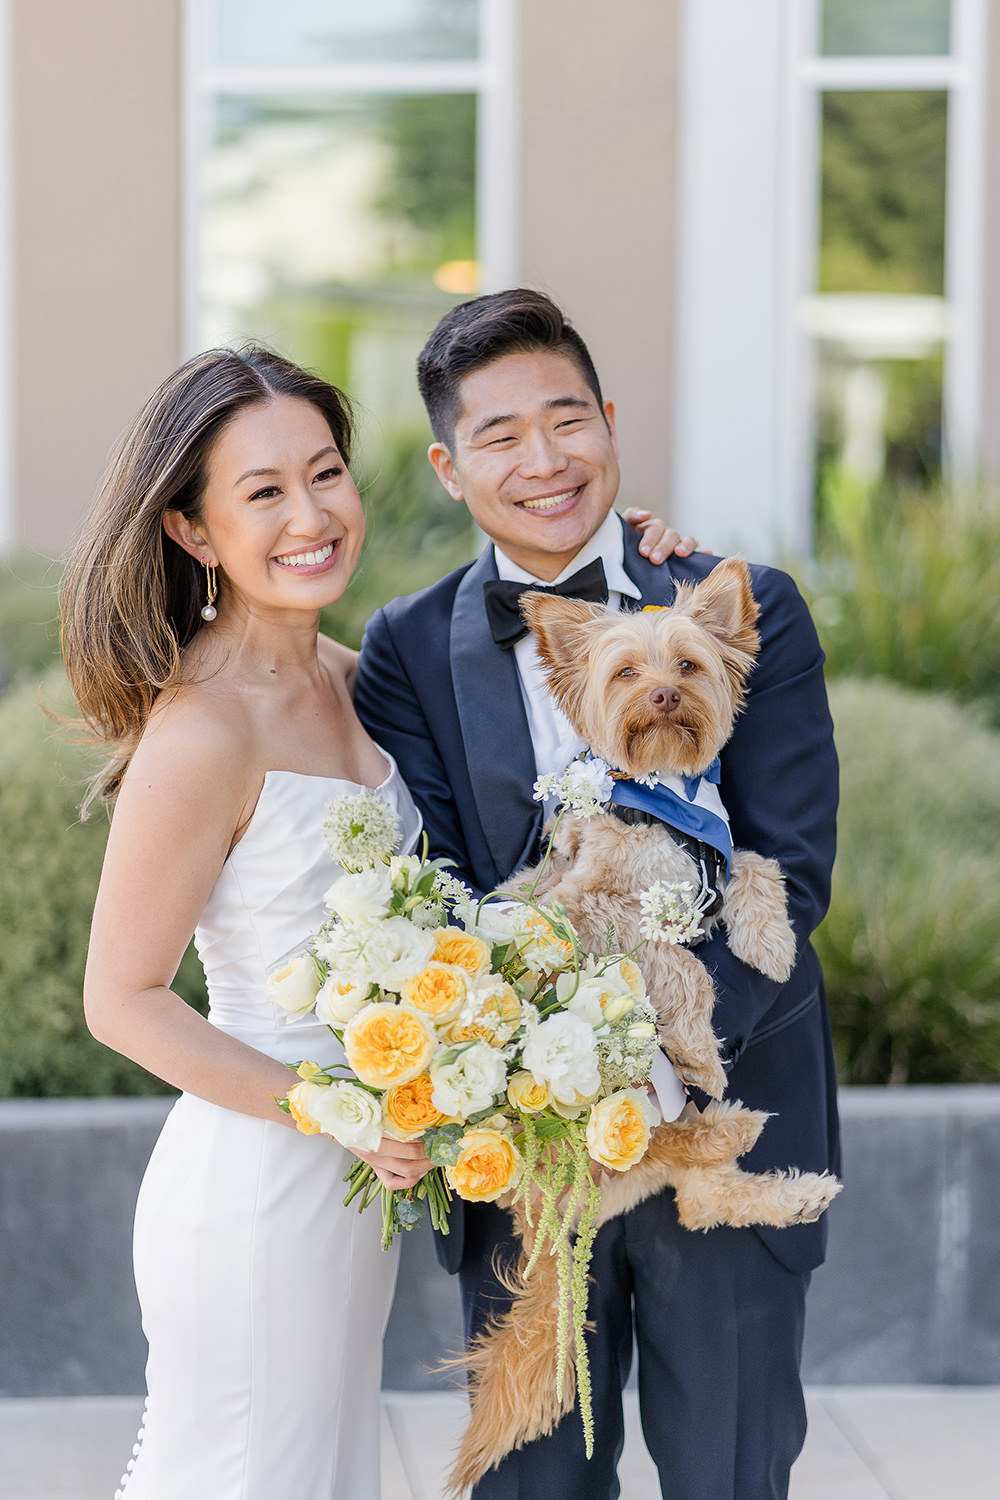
point(503, 599)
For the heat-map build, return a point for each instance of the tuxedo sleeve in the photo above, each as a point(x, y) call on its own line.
point(391, 709)
point(779, 784)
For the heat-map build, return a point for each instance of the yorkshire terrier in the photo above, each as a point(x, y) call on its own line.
point(655, 694)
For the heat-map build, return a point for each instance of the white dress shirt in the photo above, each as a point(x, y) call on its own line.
point(553, 737)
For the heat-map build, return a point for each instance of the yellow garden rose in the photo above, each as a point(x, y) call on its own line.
point(525, 1092)
point(409, 1110)
point(488, 1164)
point(299, 1099)
point(474, 1032)
point(452, 945)
point(389, 1044)
point(438, 992)
point(618, 1129)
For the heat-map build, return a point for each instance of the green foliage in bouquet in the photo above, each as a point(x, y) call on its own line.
point(909, 947)
point(906, 586)
point(48, 879)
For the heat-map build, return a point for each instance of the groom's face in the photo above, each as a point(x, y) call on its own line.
point(534, 458)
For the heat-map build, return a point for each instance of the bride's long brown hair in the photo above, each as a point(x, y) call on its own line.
point(131, 597)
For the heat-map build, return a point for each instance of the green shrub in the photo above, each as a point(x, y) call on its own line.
point(416, 532)
point(907, 586)
point(48, 879)
point(29, 627)
point(910, 946)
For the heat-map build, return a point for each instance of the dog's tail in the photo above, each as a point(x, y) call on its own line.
point(512, 1374)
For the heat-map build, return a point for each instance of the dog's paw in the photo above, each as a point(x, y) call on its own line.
point(755, 913)
point(817, 1191)
point(706, 1074)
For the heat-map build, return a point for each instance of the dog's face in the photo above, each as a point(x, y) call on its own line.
point(657, 690)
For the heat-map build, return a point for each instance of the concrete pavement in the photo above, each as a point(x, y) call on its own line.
point(864, 1443)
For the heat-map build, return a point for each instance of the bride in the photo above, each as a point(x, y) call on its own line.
point(191, 608)
point(264, 1300)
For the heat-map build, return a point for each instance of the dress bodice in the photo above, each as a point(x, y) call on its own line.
point(267, 902)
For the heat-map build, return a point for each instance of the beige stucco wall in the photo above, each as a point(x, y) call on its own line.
point(598, 88)
point(96, 239)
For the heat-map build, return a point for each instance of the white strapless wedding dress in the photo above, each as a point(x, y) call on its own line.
point(264, 1299)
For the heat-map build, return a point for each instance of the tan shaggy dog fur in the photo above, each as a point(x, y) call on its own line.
point(653, 691)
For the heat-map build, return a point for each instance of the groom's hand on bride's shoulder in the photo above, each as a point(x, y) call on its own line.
point(397, 1164)
point(659, 541)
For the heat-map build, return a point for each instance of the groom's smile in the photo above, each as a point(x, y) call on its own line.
point(534, 458)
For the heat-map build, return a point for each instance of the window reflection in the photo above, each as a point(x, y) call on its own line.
point(881, 28)
point(881, 320)
point(340, 31)
point(340, 230)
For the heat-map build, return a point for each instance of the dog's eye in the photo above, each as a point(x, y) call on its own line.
point(688, 666)
point(625, 672)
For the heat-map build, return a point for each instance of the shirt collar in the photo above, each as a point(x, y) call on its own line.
point(607, 543)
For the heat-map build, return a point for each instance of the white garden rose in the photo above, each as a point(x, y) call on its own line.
point(294, 986)
point(469, 1082)
point(587, 1001)
point(496, 922)
point(402, 869)
point(361, 897)
point(350, 1114)
point(386, 952)
point(560, 1052)
point(339, 1001)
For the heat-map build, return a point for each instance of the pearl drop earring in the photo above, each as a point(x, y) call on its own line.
point(209, 611)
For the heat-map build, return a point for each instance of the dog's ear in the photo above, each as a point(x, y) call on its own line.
point(562, 628)
point(723, 603)
point(559, 625)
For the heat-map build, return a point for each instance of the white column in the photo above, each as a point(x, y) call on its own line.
point(9, 530)
point(740, 470)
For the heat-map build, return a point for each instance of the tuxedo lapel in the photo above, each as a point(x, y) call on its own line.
point(655, 581)
point(494, 725)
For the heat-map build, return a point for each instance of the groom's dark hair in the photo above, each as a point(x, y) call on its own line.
point(478, 333)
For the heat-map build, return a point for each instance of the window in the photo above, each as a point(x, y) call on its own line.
point(830, 232)
point(338, 203)
point(894, 310)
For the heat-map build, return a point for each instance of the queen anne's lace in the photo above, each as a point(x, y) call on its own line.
point(669, 913)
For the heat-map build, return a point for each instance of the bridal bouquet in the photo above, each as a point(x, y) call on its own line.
point(519, 1064)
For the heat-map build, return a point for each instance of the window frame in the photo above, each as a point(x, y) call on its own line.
point(490, 77)
point(748, 198)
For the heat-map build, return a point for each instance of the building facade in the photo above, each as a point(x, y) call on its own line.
point(777, 225)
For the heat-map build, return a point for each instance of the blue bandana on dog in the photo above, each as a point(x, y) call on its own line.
point(691, 804)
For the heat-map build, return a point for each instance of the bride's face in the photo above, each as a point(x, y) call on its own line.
point(281, 516)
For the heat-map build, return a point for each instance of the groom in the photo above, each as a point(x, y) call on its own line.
point(525, 439)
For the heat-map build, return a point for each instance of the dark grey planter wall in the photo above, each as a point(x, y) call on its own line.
point(908, 1293)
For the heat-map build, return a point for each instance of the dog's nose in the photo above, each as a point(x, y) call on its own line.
point(666, 698)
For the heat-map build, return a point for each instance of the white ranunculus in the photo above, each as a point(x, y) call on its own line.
point(350, 1114)
point(361, 897)
point(339, 1001)
point(469, 1082)
point(560, 1052)
point(386, 952)
point(294, 986)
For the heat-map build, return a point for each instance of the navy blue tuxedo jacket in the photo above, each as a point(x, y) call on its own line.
point(436, 691)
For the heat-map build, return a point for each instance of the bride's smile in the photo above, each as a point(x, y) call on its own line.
point(281, 517)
